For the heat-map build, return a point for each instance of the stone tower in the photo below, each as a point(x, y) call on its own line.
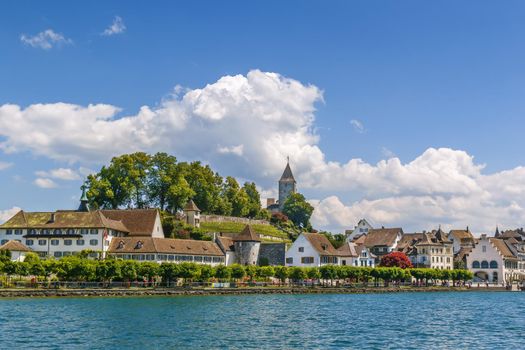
point(193, 214)
point(286, 185)
point(247, 245)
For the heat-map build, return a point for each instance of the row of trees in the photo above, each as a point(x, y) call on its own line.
point(140, 180)
point(78, 268)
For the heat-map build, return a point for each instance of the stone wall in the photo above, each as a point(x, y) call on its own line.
point(274, 252)
point(220, 218)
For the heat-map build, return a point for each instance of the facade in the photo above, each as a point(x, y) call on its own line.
point(310, 250)
point(351, 254)
point(162, 250)
point(461, 239)
point(497, 260)
point(362, 228)
point(287, 186)
point(428, 249)
point(65, 232)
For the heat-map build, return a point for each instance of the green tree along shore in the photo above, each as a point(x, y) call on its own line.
point(81, 269)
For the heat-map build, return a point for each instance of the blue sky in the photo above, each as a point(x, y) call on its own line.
point(411, 76)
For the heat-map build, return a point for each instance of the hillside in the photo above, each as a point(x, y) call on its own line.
point(267, 232)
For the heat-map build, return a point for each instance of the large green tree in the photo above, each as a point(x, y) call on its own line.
point(297, 209)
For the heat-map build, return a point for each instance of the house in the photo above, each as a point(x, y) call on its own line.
point(461, 239)
point(497, 260)
point(311, 249)
point(381, 241)
point(351, 254)
point(192, 214)
point(428, 249)
point(162, 250)
point(18, 250)
point(362, 228)
point(65, 232)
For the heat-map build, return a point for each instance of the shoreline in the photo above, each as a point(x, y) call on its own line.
point(141, 292)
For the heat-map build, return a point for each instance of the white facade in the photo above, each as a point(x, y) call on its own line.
point(488, 264)
point(362, 228)
point(171, 258)
point(303, 254)
point(434, 256)
point(365, 259)
point(60, 242)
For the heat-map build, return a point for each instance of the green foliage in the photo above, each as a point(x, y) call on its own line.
point(237, 271)
point(298, 210)
point(337, 240)
point(236, 227)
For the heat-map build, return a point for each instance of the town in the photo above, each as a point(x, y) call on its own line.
point(138, 235)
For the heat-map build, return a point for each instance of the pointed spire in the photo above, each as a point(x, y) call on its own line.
point(287, 174)
point(497, 234)
point(191, 206)
point(84, 206)
point(247, 235)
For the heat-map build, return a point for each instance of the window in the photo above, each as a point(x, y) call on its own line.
point(68, 242)
point(484, 248)
point(58, 254)
point(364, 255)
point(8, 232)
point(150, 257)
point(475, 264)
point(494, 276)
point(289, 260)
point(484, 264)
point(18, 232)
point(94, 231)
point(307, 260)
point(329, 260)
point(139, 245)
point(206, 258)
point(93, 241)
point(70, 231)
point(301, 249)
point(84, 231)
point(197, 258)
point(42, 242)
point(29, 242)
point(80, 242)
point(45, 231)
point(356, 263)
point(4, 241)
point(66, 253)
point(32, 231)
point(54, 242)
point(493, 264)
point(57, 231)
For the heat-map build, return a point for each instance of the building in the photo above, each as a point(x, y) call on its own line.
point(362, 228)
point(428, 249)
point(192, 214)
point(163, 250)
point(462, 242)
point(18, 250)
point(498, 259)
point(311, 249)
point(351, 254)
point(287, 186)
point(65, 232)
point(381, 241)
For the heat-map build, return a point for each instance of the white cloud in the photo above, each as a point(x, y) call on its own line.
point(59, 174)
point(117, 27)
point(45, 40)
point(272, 116)
point(45, 183)
point(358, 126)
point(8, 213)
point(5, 165)
point(237, 150)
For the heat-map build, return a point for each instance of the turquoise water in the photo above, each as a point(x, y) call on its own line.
point(474, 320)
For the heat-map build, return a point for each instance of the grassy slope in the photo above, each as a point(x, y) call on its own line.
point(235, 227)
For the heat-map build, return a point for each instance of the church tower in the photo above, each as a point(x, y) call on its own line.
point(286, 185)
point(84, 206)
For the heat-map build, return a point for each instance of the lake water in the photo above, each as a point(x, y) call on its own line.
point(473, 320)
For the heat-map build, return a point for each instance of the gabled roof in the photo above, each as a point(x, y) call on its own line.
point(150, 245)
point(247, 235)
point(382, 237)
point(139, 222)
point(462, 235)
point(15, 246)
point(348, 249)
point(502, 247)
point(191, 206)
point(226, 243)
point(321, 244)
point(287, 174)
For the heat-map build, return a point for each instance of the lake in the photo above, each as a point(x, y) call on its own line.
point(439, 320)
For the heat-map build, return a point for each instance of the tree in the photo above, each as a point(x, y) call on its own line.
point(297, 274)
point(129, 270)
point(267, 272)
point(281, 272)
point(396, 259)
point(254, 201)
point(237, 271)
point(222, 272)
point(207, 272)
point(298, 210)
point(161, 178)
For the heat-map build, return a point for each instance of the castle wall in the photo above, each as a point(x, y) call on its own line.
point(274, 252)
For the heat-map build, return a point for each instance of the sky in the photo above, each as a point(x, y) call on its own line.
point(407, 113)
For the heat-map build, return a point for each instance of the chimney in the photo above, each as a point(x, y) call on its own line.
point(270, 201)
